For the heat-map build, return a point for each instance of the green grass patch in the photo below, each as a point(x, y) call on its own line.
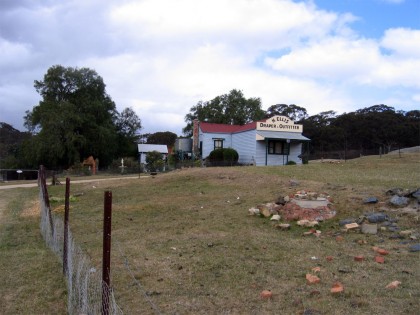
point(29, 273)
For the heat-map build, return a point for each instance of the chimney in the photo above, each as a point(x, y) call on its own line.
point(195, 148)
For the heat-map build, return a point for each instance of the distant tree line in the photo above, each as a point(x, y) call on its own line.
point(76, 118)
point(370, 130)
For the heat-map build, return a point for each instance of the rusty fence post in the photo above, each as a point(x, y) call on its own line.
point(106, 257)
point(66, 226)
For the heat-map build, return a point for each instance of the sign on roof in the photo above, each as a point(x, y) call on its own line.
point(279, 123)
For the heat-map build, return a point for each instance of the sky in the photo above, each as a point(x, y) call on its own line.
point(161, 57)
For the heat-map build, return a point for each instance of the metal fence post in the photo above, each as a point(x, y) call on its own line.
point(106, 260)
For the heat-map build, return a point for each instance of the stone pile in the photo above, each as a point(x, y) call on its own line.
point(401, 201)
point(307, 207)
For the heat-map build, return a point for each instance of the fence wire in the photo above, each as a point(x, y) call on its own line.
point(84, 282)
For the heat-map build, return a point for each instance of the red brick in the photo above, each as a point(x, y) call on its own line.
point(266, 294)
point(380, 259)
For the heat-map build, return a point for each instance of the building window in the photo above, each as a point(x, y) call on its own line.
point(218, 144)
point(278, 147)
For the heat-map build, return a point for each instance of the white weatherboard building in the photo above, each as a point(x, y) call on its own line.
point(146, 148)
point(273, 141)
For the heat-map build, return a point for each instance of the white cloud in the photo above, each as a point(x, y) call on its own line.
point(161, 57)
point(402, 42)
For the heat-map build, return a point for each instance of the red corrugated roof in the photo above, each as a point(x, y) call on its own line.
point(222, 128)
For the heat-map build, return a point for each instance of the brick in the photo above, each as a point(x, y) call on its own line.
point(311, 279)
point(266, 294)
point(337, 288)
point(380, 259)
point(359, 258)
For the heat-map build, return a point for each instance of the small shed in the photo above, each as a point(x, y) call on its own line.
point(145, 148)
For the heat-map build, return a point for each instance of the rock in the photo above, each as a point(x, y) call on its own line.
point(399, 201)
point(344, 270)
point(337, 288)
point(406, 233)
point(346, 221)
point(377, 217)
point(369, 228)
point(351, 226)
point(329, 258)
point(316, 269)
point(294, 182)
point(311, 279)
point(254, 211)
point(286, 198)
point(370, 200)
point(307, 223)
point(393, 285)
point(393, 228)
point(416, 194)
point(266, 294)
point(275, 217)
point(283, 226)
point(414, 248)
point(281, 201)
point(359, 258)
point(265, 211)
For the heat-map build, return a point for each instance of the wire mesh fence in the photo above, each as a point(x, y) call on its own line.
point(87, 293)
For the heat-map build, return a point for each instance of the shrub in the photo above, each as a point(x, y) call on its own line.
point(291, 163)
point(154, 161)
point(222, 157)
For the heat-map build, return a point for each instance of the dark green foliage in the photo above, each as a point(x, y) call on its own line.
point(76, 118)
point(223, 157)
point(294, 112)
point(232, 109)
point(168, 138)
point(11, 141)
point(291, 163)
point(362, 132)
point(154, 161)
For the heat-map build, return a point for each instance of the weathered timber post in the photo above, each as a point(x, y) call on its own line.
point(46, 197)
point(66, 226)
point(106, 257)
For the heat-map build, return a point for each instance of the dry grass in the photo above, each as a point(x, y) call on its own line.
point(183, 242)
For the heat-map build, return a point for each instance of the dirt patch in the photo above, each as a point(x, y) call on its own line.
point(32, 210)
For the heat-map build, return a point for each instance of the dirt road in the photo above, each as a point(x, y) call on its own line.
point(29, 185)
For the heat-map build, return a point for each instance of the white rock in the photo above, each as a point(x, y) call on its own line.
point(275, 217)
point(254, 211)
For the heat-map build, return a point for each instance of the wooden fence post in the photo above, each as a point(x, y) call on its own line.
point(46, 197)
point(106, 260)
point(66, 226)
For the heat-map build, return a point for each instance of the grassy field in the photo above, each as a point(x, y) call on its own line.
point(30, 275)
point(183, 242)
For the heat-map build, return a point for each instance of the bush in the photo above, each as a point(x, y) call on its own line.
point(154, 161)
point(223, 157)
point(291, 163)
